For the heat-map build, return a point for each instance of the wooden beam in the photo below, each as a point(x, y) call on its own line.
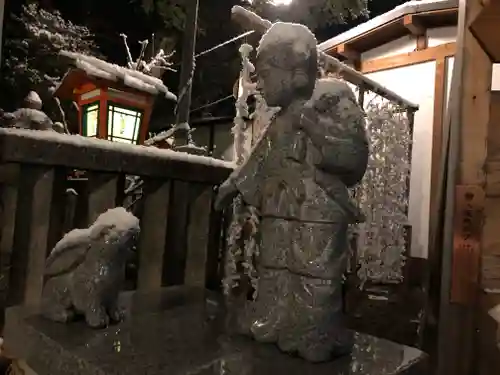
point(413, 24)
point(348, 52)
point(434, 252)
point(422, 42)
point(410, 58)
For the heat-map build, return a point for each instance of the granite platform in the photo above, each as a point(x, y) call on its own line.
point(181, 331)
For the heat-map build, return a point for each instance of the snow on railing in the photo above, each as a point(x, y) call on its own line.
point(75, 151)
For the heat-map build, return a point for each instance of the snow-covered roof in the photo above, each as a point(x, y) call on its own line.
point(98, 68)
point(408, 8)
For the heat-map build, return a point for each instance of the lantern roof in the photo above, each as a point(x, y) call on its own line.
point(96, 68)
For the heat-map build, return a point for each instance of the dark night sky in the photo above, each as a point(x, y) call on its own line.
point(108, 18)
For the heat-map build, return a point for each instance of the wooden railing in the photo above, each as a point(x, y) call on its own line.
point(180, 232)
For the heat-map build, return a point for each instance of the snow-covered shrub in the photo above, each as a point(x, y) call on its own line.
point(33, 41)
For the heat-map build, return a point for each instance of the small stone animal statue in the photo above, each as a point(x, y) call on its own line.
point(85, 271)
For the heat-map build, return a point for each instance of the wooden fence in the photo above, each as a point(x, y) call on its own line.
point(180, 232)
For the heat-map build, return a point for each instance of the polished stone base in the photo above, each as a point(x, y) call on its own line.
point(181, 331)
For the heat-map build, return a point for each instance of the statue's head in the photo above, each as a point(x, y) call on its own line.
point(118, 229)
point(287, 64)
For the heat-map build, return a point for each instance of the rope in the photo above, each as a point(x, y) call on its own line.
point(216, 47)
point(213, 103)
point(236, 38)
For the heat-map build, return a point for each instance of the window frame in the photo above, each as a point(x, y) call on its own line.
point(85, 112)
point(112, 107)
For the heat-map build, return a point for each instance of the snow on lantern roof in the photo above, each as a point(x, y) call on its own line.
point(98, 68)
point(408, 8)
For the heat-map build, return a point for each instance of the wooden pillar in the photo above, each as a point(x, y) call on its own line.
point(435, 251)
point(31, 231)
point(102, 124)
point(468, 120)
point(153, 234)
point(198, 240)
point(182, 135)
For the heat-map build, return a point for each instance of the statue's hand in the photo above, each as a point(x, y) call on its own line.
point(225, 195)
point(307, 119)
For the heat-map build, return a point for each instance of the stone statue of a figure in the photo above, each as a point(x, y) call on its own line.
point(297, 177)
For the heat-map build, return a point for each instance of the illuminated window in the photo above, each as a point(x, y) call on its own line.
point(123, 124)
point(90, 120)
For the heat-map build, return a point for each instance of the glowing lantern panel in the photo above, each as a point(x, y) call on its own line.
point(91, 120)
point(123, 124)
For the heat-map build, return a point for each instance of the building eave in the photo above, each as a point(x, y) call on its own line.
point(444, 12)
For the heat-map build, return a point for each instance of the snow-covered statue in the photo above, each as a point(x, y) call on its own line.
point(297, 177)
point(30, 115)
point(86, 270)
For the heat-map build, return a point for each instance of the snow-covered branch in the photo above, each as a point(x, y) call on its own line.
point(156, 66)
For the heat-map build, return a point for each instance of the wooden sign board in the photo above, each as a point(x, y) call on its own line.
point(468, 224)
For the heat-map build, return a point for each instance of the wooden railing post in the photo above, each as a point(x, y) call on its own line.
point(8, 203)
point(58, 208)
point(198, 235)
point(102, 193)
point(180, 239)
point(175, 258)
point(31, 233)
point(156, 196)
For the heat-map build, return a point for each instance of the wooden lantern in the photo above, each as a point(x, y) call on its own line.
point(114, 102)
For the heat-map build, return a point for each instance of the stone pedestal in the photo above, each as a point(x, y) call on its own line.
point(181, 331)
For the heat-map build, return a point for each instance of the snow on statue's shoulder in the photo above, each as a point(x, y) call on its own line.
point(98, 68)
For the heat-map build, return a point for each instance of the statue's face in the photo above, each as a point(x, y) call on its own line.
point(284, 76)
point(274, 82)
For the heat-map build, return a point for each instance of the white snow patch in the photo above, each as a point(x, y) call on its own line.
point(34, 98)
point(103, 144)
point(101, 69)
point(254, 18)
point(419, 3)
point(93, 71)
point(162, 136)
point(139, 85)
point(118, 218)
point(495, 313)
point(302, 39)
